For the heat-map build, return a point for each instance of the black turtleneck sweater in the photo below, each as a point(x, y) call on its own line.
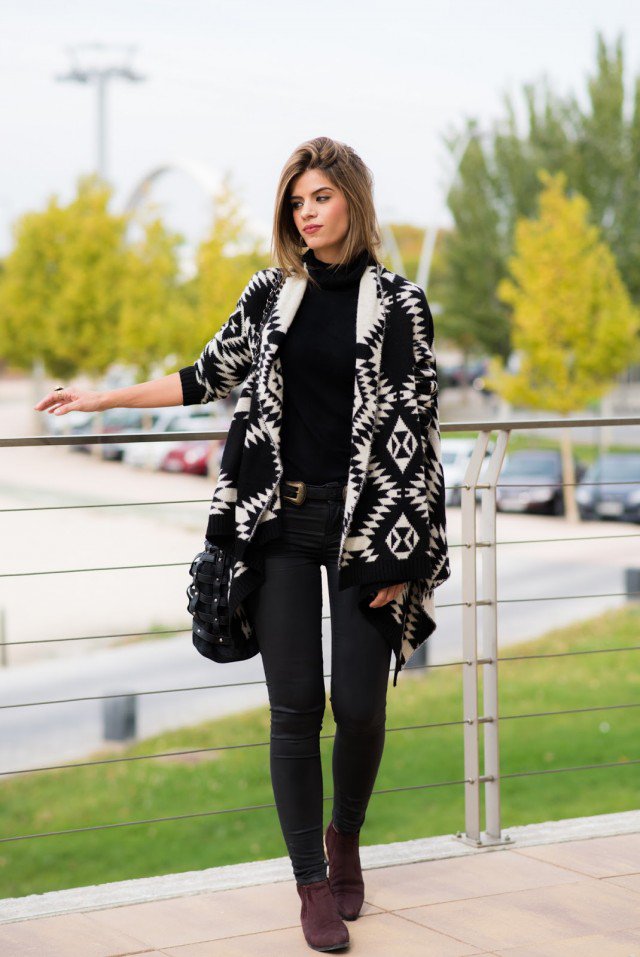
point(318, 357)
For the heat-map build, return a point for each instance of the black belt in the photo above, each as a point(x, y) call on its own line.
point(302, 491)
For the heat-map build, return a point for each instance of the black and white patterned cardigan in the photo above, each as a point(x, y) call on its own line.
point(394, 525)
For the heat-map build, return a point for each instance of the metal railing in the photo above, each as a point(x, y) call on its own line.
point(478, 533)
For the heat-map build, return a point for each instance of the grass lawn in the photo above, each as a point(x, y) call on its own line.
point(239, 777)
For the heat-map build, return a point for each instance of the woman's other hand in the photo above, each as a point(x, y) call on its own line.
point(70, 400)
point(387, 594)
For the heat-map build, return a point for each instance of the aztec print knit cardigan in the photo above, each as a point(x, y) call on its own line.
point(394, 524)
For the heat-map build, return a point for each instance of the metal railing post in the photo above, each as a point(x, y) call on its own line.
point(489, 657)
point(470, 646)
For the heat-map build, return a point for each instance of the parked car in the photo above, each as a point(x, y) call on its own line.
point(72, 423)
point(607, 499)
point(124, 420)
point(455, 459)
point(530, 481)
point(191, 457)
point(195, 418)
point(458, 375)
point(200, 456)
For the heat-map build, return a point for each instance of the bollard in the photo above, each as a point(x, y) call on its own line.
point(632, 583)
point(119, 717)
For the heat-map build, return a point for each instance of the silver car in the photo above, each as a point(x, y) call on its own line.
point(455, 459)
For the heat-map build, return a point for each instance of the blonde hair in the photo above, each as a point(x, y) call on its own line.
point(344, 168)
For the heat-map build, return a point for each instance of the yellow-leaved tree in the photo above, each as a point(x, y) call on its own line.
point(573, 323)
point(61, 287)
point(225, 260)
point(153, 303)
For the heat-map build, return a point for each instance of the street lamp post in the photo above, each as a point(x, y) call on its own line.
point(89, 65)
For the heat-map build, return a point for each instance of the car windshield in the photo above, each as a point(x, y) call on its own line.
point(530, 465)
point(615, 468)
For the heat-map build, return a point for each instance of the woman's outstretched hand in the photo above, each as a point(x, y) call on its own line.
point(386, 594)
point(70, 400)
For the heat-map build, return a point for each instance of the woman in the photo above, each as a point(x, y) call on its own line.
point(332, 458)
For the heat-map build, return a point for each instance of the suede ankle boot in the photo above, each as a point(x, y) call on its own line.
point(321, 924)
point(345, 873)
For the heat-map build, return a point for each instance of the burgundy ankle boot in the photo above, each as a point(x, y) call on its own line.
point(321, 924)
point(345, 873)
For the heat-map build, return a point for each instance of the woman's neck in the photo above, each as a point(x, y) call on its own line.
point(332, 276)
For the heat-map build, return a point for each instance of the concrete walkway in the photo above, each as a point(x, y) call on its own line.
point(560, 889)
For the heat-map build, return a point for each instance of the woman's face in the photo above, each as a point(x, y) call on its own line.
point(316, 201)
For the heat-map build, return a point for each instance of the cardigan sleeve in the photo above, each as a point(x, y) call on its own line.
point(225, 360)
point(425, 367)
point(426, 383)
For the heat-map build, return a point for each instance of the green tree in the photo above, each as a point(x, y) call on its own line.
point(573, 323)
point(61, 289)
point(152, 300)
point(597, 146)
point(225, 260)
point(473, 257)
point(76, 294)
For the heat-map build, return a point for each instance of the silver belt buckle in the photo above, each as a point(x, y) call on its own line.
point(301, 493)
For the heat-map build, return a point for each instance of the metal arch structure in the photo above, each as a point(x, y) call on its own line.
point(203, 176)
point(208, 180)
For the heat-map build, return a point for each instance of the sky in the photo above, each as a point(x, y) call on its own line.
point(235, 85)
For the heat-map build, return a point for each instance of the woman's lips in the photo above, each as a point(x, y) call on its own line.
point(312, 229)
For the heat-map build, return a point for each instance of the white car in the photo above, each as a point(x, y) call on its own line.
point(455, 460)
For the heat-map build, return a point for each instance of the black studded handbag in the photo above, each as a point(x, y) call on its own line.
point(208, 592)
point(209, 604)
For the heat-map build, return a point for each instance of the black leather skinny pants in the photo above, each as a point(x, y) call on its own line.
point(287, 611)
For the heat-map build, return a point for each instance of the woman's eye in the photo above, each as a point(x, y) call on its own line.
point(295, 205)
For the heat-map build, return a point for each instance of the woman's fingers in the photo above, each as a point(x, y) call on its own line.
point(53, 399)
point(64, 407)
point(386, 594)
point(48, 400)
point(69, 400)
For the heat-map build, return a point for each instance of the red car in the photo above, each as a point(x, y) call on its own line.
point(193, 457)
